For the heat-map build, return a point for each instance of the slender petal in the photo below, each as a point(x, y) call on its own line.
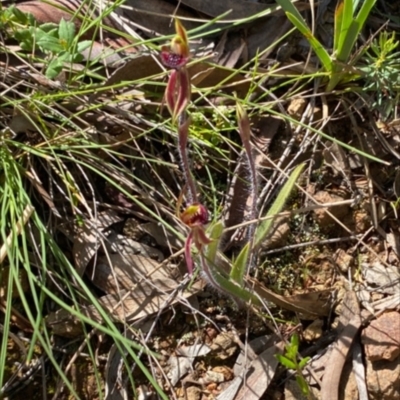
point(170, 92)
point(181, 31)
point(201, 238)
point(183, 90)
point(188, 253)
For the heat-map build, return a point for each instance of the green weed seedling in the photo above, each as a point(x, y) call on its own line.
point(290, 360)
point(348, 25)
point(58, 42)
point(382, 73)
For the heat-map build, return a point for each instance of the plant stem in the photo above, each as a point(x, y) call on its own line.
point(183, 134)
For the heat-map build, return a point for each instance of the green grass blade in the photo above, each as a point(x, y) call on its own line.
point(236, 291)
point(212, 248)
point(348, 44)
point(239, 266)
point(320, 51)
point(288, 7)
point(351, 27)
point(346, 18)
point(338, 25)
point(364, 12)
point(276, 208)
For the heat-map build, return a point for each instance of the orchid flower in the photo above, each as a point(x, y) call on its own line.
point(195, 217)
point(176, 56)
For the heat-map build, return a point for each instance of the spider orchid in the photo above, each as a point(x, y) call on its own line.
point(177, 96)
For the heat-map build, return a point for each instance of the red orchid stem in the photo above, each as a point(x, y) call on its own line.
point(188, 253)
point(183, 134)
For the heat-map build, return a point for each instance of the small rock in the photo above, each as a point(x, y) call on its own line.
point(278, 235)
point(382, 337)
point(213, 376)
point(293, 392)
point(362, 221)
point(383, 379)
point(224, 345)
point(296, 107)
point(339, 211)
point(212, 387)
point(343, 260)
point(226, 371)
point(385, 278)
point(211, 334)
point(314, 330)
point(193, 393)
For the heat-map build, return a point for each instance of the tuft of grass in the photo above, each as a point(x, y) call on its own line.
point(349, 22)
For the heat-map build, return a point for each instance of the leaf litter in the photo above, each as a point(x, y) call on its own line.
point(137, 285)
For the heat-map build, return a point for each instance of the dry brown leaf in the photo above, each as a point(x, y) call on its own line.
point(129, 306)
point(336, 158)
point(232, 49)
point(122, 271)
point(162, 237)
point(261, 373)
point(115, 387)
point(20, 123)
point(387, 303)
point(393, 240)
point(37, 184)
point(45, 12)
point(178, 368)
point(293, 391)
point(349, 324)
point(203, 75)
point(210, 76)
point(101, 53)
point(263, 33)
point(386, 279)
point(251, 352)
point(157, 15)
point(124, 245)
point(139, 67)
point(308, 304)
point(90, 237)
point(240, 9)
